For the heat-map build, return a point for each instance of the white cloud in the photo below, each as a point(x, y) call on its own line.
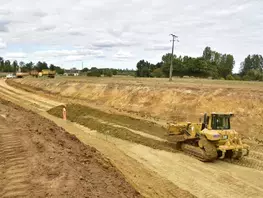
point(161, 47)
point(112, 43)
point(55, 53)
point(75, 58)
point(4, 12)
point(138, 27)
point(122, 55)
point(15, 55)
point(45, 28)
point(70, 55)
point(2, 44)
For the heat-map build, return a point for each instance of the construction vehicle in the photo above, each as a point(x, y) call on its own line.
point(9, 76)
point(48, 73)
point(210, 139)
point(44, 72)
point(34, 73)
point(21, 74)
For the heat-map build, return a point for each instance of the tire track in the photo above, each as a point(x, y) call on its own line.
point(13, 165)
point(28, 95)
point(26, 99)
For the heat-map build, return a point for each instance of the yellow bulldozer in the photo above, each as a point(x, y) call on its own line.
point(209, 139)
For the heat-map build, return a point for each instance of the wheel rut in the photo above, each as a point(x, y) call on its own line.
point(13, 165)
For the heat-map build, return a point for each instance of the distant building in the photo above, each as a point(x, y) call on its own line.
point(72, 72)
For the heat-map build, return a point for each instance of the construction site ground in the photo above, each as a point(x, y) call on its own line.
point(137, 148)
point(40, 159)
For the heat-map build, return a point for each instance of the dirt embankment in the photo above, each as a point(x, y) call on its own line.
point(40, 159)
point(168, 102)
point(115, 125)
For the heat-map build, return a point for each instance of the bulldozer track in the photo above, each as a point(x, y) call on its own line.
point(13, 165)
point(44, 106)
point(254, 160)
point(247, 162)
point(206, 154)
point(256, 155)
point(198, 153)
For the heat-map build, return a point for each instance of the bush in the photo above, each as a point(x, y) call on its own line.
point(230, 77)
point(253, 75)
point(246, 78)
point(157, 73)
point(94, 73)
point(237, 77)
point(108, 73)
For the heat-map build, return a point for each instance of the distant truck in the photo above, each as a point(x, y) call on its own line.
point(8, 76)
point(48, 73)
point(44, 72)
point(21, 74)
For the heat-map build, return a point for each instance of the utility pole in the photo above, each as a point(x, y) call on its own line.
point(171, 66)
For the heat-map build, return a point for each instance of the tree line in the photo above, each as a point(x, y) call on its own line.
point(13, 67)
point(109, 72)
point(211, 64)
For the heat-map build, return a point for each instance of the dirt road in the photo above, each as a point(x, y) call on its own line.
point(219, 179)
point(42, 160)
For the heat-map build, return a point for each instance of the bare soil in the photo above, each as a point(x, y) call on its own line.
point(159, 100)
point(153, 172)
point(40, 159)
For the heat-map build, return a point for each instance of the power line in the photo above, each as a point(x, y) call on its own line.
point(171, 66)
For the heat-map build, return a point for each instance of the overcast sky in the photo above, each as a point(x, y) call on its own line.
point(118, 33)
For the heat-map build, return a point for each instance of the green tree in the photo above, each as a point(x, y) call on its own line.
point(2, 64)
point(230, 77)
point(85, 69)
point(7, 66)
point(15, 66)
point(52, 67)
point(226, 65)
point(207, 54)
point(108, 72)
point(157, 73)
point(114, 71)
point(143, 69)
point(221, 64)
point(59, 70)
point(94, 72)
point(40, 66)
point(28, 67)
point(251, 62)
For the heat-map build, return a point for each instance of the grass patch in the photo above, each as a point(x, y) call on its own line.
point(133, 123)
point(78, 115)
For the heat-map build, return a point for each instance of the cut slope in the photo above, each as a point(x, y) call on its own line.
point(183, 101)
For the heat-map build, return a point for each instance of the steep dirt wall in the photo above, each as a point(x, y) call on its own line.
point(180, 102)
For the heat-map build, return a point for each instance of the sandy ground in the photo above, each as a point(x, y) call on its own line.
point(40, 159)
point(166, 174)
point(180, 100)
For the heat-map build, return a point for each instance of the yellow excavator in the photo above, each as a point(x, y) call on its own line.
point(209, 139)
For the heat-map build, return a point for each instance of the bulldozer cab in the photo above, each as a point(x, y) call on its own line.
point(217, 121)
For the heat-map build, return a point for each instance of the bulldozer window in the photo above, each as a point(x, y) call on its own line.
point(220, 122)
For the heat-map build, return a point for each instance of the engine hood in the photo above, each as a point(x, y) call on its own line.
point(219, 134)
